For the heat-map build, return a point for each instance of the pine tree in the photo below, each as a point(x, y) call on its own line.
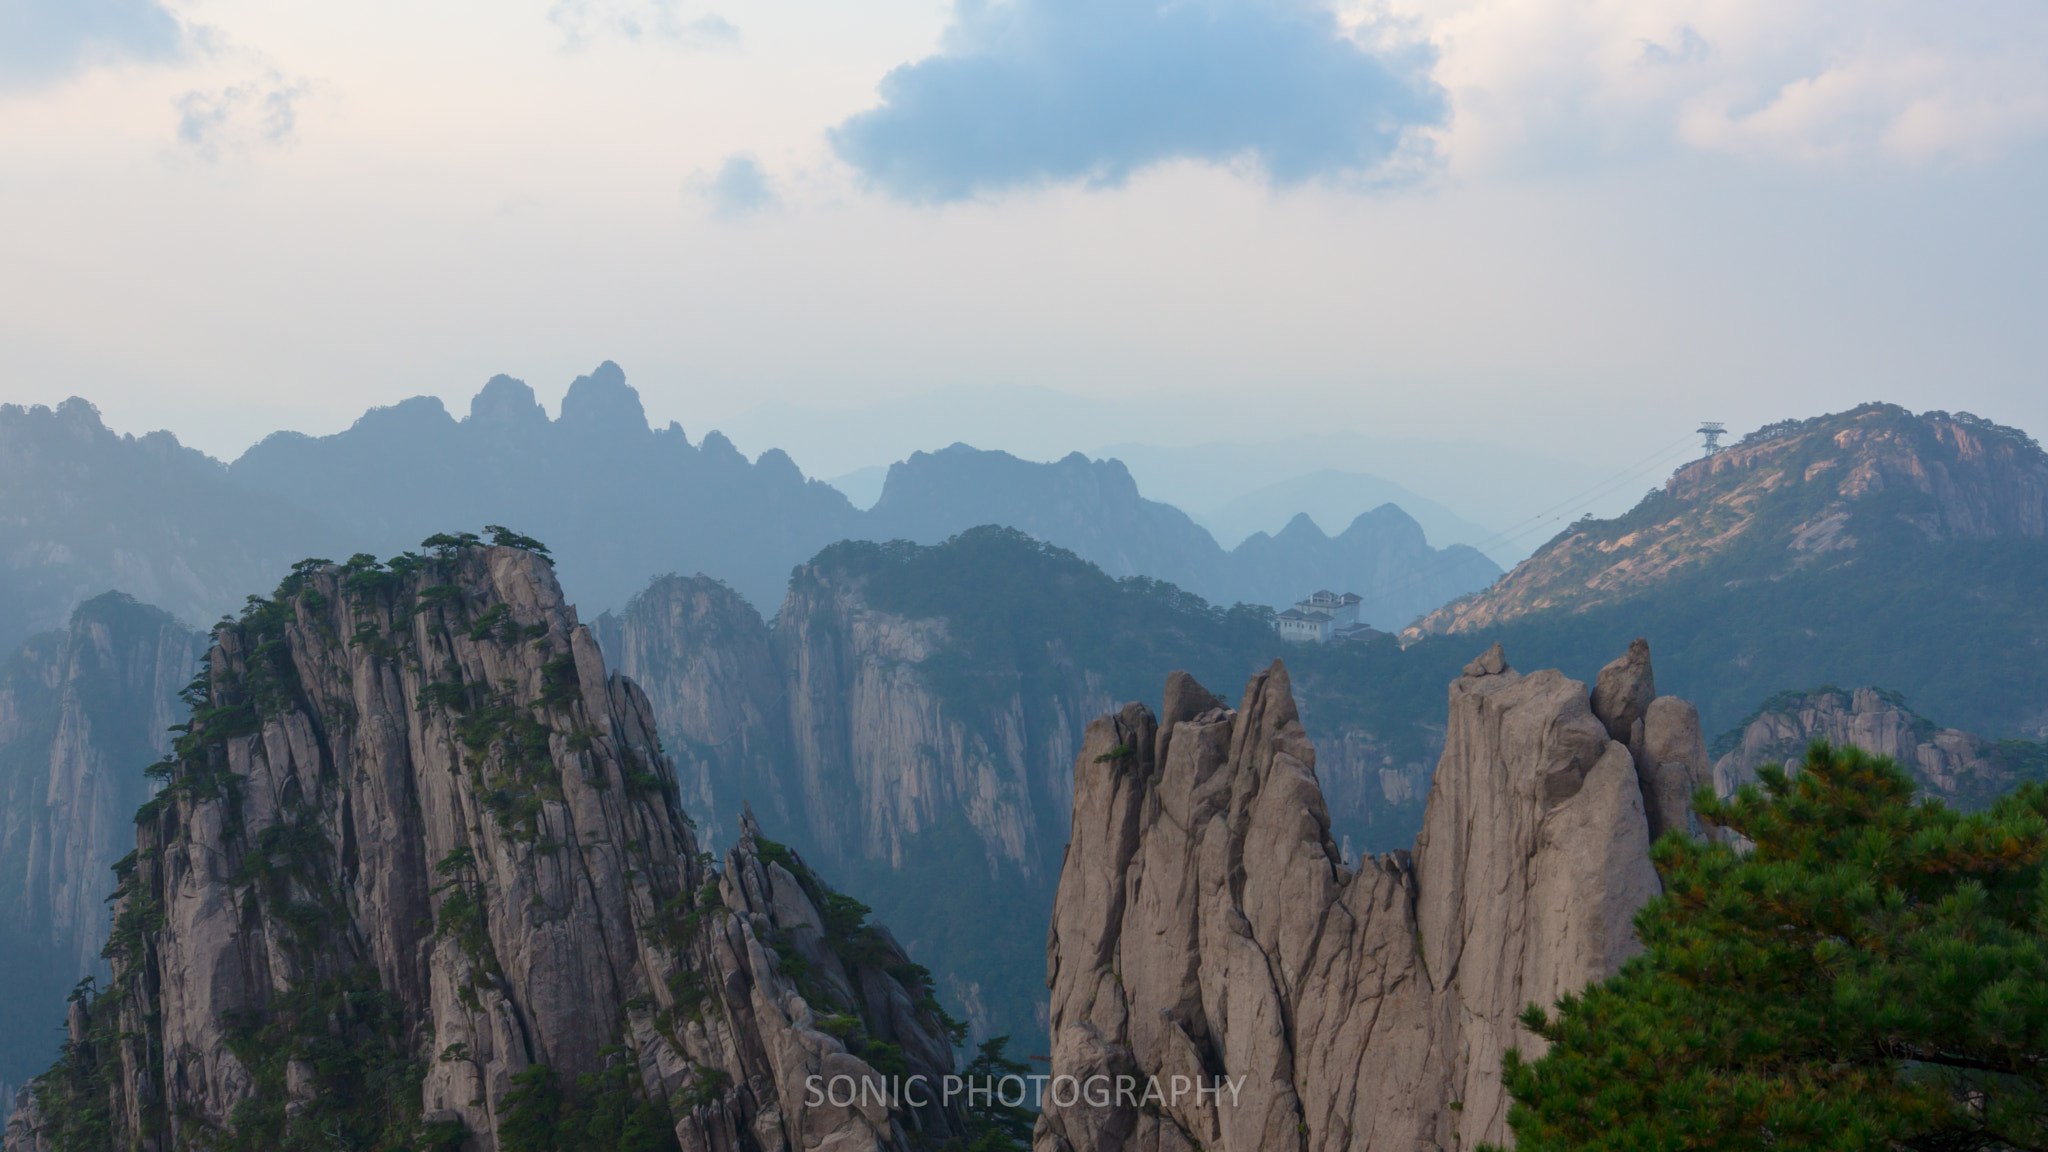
point(1870, 974)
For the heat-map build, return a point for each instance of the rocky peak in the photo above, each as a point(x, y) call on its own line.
point(1789, 497)
point(1624, 689)
point(508, 403)
point(1207, 929)
point(603, 401)
point(1951, 765)
point(418, 875)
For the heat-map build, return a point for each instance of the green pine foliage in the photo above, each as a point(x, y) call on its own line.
point(993, 1126)
point(859, 945)
point(1872, 974)
point(603, 1112)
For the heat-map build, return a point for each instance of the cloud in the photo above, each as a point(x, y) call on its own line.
point(1031, 92)
point(45, 40)
point(257, 114)
point(740, 188)
point(582, 21)
point(1561, 82)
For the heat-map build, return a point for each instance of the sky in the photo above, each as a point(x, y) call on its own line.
point(1573, 226)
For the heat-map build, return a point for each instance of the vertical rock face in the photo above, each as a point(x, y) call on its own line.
point(703, 655)
point(883, 756)
point(920, 743)
point(1207, 927)
point(1534, 857)
point(82, 712)
point(1952, 765)
point(418, 875)
point(946, 813)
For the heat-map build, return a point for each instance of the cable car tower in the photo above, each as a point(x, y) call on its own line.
point(1713, 430)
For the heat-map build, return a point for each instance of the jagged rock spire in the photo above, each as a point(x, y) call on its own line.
point(1207, 927)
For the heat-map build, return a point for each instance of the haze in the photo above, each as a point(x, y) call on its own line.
point(1573, 229)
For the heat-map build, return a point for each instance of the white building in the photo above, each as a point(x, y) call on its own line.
point(1321, 617)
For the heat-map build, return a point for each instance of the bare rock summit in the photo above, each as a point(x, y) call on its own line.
point(1208, 934)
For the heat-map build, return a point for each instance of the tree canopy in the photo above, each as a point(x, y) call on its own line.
point(1867, 971)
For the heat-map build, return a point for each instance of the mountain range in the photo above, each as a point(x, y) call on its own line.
point(86, 511)
point(910, 719)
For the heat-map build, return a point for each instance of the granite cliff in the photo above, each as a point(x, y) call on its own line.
point(942, 809)
point(706, 662)
point(910, 719)
point(1207, 928)
point(82, 711)
point(1956, 767)
point(418, 876)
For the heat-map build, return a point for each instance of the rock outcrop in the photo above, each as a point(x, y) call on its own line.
point(82, 713)
point(1207, 929)
point(1950, 765)
point(418, 876)
point(1662, 734)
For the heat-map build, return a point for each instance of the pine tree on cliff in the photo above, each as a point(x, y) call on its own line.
point(1873, 974)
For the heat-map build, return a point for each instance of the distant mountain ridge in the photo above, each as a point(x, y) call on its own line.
point(89, 511)
point(1333, 498)
point(85, 511)
point(625, 500)
point(1094, 509)
point(1797, 496)
point(1873, 546)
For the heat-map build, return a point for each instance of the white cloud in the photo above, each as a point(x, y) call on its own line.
point(1549, 82)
